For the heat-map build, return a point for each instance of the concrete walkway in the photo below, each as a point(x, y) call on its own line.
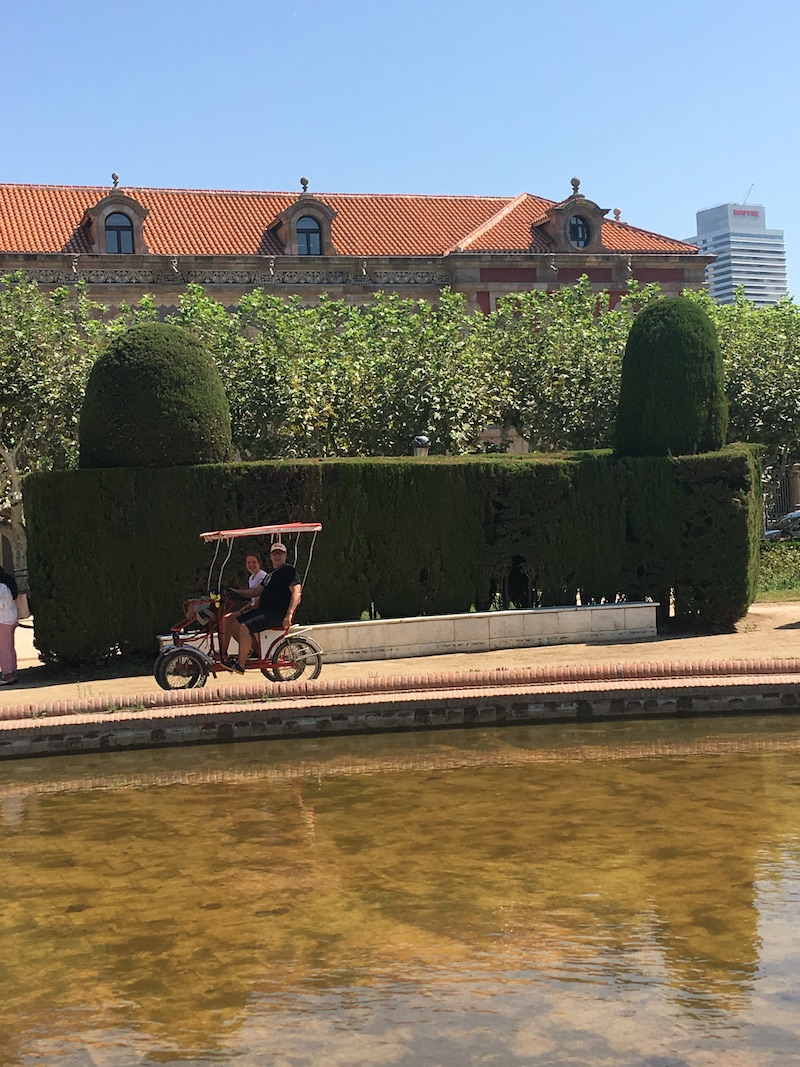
point(755, 669)
point(771, 631)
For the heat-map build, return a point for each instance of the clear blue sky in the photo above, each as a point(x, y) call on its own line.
point(660, 109)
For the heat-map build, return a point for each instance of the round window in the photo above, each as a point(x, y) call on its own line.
point(579, 232)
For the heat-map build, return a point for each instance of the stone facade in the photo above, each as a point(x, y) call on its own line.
point(484, 279)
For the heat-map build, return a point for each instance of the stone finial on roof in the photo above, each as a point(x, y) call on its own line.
point(617, 214)
point(304, 184)
point(115, 179)
point(576, 184)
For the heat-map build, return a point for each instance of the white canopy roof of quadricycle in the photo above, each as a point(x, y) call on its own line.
point(288, 528)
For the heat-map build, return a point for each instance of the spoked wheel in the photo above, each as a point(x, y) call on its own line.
point(181, 668)
point(294, 657)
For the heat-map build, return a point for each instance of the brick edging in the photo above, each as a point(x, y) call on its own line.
point(453, 681)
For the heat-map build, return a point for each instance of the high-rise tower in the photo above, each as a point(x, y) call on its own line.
point(748, 254)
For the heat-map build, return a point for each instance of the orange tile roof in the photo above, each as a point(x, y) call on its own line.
point(47, 218)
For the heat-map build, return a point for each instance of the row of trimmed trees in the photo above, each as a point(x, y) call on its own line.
point(155, 398)
point(337, 379)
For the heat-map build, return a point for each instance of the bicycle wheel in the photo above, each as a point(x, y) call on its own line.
point(181, 668)
point(293, 657)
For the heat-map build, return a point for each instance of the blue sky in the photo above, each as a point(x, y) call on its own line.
point(660, 109)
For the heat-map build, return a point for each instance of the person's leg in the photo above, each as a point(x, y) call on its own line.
point(245, 639)
point(8, 657)
point(230, 626)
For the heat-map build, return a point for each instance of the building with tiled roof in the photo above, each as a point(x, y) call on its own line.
point(128, 242)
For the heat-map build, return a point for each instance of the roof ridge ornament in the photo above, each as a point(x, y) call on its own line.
point(576, 184)
point(115, 179)
point(304, 184)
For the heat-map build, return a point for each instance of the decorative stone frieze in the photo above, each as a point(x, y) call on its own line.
point(172, 276)
point(409, 277)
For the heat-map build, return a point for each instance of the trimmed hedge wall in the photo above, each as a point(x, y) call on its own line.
point(400, 537)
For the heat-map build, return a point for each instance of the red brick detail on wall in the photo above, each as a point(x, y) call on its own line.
point(570, 275)
point(656, 274)
point(483, 302)
point(508, 274)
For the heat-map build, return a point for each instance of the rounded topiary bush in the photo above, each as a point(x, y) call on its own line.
point(154, 399)
point(672, 393)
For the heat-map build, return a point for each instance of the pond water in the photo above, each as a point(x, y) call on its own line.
point(624, 894)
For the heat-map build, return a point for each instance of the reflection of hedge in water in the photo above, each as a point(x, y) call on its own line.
point(401, 537)
point(277, 886)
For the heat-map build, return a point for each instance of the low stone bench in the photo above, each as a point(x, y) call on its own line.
point(475, 631)
point(484, 631)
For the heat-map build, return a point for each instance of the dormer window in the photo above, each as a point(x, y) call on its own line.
point(574, 225)
point(579, 232)
point(309, 236)
point(115, 225)
point(302, 233)
point(119, 233)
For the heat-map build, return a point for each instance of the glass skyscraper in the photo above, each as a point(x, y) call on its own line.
point(748, 254)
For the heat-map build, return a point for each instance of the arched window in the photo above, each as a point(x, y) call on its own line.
point(119, 233)
point(309, 236)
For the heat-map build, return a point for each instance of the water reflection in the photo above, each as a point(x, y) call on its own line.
point(618, 894)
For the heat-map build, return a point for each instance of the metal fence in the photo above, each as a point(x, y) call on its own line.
point(777, 488)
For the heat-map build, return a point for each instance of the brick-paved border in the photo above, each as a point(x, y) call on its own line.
point(220, 693)
point(480, 698)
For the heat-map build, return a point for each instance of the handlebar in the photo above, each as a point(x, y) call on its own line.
point(232, 594)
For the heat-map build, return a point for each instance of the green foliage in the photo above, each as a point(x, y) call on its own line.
point(337, 379)
point(344, 380)
point(557, 356)
point(672, 395)
point(761, 351)
point(780, 567)
point(693, 527)
point(47, 345)
point(400, 537)
point(153, 399)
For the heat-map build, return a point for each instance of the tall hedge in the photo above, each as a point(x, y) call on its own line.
point(154, 399)
point(400, 537)
point(672, 390)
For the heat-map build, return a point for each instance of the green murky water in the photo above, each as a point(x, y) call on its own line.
point(626, 894)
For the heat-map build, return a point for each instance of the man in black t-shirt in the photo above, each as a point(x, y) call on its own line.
point(278, 599)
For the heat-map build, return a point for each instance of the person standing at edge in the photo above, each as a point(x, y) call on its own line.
point(280, 595)
point(8, 624)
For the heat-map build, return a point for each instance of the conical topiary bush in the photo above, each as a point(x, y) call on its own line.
point(672, 393)
point(154, 399)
